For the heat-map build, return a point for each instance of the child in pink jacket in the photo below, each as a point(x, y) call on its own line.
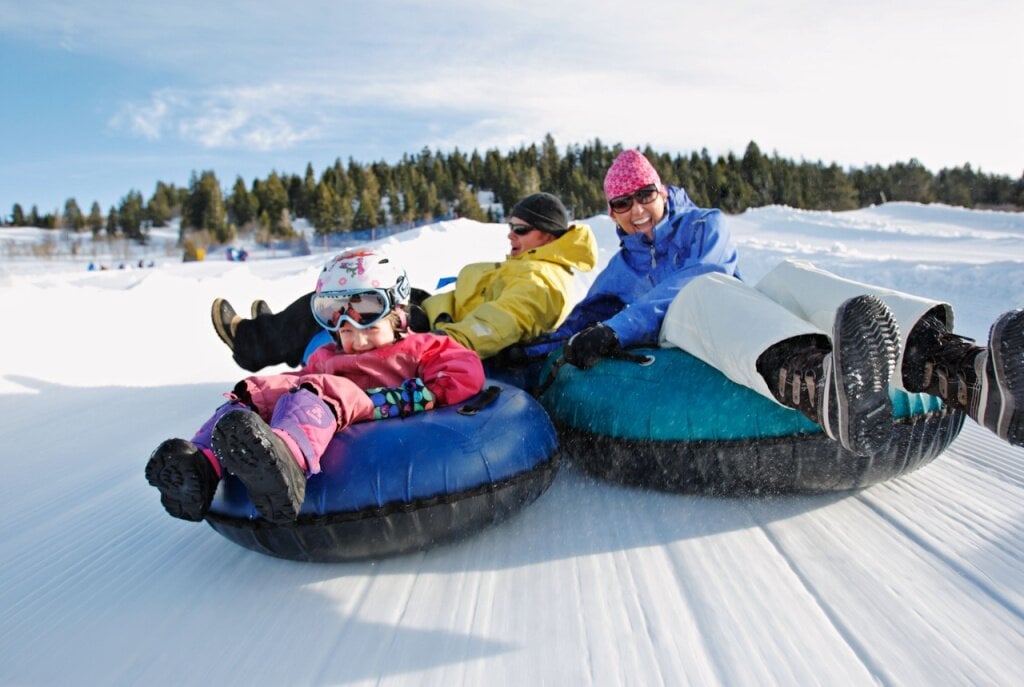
point(274, 429)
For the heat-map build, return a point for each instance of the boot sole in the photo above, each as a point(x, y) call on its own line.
point(224, 332)
point(864, 365)
point(276, 484)
point(180, 484)
point(1006, 352)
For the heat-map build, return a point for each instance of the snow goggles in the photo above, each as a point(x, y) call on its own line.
point(359, 308)
point(643, 196)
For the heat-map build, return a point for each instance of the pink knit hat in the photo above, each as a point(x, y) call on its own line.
point(629, 172)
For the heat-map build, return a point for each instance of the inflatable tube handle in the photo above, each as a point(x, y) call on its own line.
point(489, 396)
point(552, 375)
point(618, 354)
point(641, 360)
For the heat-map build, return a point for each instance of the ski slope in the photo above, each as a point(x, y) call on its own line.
point(917, 581)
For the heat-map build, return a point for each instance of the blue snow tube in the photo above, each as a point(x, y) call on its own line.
point(677, 424)
point(401, 485)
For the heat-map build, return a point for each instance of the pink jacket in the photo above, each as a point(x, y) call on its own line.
point(451, 371)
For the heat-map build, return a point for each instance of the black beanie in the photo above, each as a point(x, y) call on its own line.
point(543, 211)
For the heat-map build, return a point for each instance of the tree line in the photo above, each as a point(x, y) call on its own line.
point(353, 195)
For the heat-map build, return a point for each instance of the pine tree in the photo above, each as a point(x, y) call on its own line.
point(457, 169)
point(407, 205)
point(467, 205)
point(427, 184)
point(366, 213)
point(548, 166)
point(787, 189)
point(265, 224)
point(911, 182)
point(95, 221)
point(204, 208)
point(837, 191)
point(428, 206)
point(757, 173)
point(113, 222)
point(130, 215)
point(242, 205)
point(73, 218)
point(273, 199)
point(308, 193)
point(326, 210)
point(160, 207)
point(296, 204)
point(956, 186)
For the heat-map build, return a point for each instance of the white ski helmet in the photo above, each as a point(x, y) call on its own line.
point(359, 272)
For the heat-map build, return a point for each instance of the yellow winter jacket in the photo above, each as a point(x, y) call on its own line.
point(497, 304)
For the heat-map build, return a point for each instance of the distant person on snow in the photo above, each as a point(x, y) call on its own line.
point(493, 305)
point(374, 369)
point(826, 346)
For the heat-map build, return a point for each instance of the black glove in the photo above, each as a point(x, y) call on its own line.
point(584, 349)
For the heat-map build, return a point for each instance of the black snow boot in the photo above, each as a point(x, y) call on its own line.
point(274, 338)
point(225, 321)
point(259, 308)
point(185, 478)
point(247, 447)
point(986, 383)
point(941, 363)
point(846, 389)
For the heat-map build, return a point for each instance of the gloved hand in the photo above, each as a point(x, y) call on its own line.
point(412, 396)
point(584, 349)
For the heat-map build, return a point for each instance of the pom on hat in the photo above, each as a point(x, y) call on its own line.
point(543, 211)
point(630, 171)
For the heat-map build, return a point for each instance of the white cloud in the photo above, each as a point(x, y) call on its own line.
point(261, 119)
point(147, 119)
point(876, 81)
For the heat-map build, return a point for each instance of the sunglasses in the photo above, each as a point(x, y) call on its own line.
point(361, 309)
point(643, 196)
point(521, 229)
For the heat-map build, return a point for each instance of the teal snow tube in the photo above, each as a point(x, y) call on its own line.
point(677, 424)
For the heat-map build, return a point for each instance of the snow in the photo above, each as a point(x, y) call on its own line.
point(915, 581)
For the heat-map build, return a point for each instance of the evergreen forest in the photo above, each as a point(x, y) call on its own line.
point(352, 195)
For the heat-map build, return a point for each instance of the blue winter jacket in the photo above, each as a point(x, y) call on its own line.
point(632, 294)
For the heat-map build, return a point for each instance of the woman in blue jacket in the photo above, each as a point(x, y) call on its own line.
point(653, 264)
point(810, 340)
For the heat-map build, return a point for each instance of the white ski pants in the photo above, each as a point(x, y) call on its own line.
point(729, 324)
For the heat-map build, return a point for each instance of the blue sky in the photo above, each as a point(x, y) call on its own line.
point(100, 97)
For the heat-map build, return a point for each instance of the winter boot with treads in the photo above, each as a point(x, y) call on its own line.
point(845, 389)
point(987, 383)
point(185, 478)
point(247, 447)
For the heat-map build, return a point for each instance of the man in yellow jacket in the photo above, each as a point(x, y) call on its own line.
point(493, 305)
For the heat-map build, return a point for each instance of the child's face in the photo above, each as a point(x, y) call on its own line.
point(355, 340)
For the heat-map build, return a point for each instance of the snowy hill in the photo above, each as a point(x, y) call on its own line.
point(918, 581)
